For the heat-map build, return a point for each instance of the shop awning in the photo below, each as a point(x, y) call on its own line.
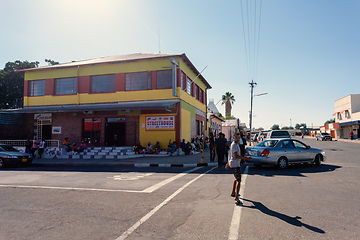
point(139, 105)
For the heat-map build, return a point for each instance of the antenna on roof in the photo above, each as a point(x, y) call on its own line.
point(159, 35)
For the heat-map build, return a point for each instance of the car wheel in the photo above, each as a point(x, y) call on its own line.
point(1, 163)
point(282, 163)
point(318, 159)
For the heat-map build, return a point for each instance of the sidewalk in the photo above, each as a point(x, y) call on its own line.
point(138, 161)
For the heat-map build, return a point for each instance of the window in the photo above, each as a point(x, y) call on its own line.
point(201, 97)
point(138, 81)
point(339, 116)
point(103, 83)
point(287, 144)
point(299, 145)
point(182, 80)
point(91, 130)
point(188, 86)
point(37, 88)
point(196, 92)
point(163, 79)
point(65, 86)
point(347, 114)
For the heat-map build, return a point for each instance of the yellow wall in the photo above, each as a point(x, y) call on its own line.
point(185, 125)
point(155, 135)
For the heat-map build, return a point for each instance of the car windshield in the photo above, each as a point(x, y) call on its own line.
point(6, 148)
point(267, 143)
point(280, 133)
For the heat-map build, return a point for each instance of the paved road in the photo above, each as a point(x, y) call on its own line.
point(74, 202)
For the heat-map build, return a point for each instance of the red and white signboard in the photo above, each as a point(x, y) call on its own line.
point(160, 122)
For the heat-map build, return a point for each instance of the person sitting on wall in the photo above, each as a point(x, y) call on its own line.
point(157, 147)
point(66, 145)
point(187, 149)
point(82, 146)
point(74, 148)
point(183, 145)
point(171, 147)
point(149, 149)
point(138, 148)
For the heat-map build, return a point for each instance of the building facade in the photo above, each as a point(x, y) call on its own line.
point(118, 101)
point(347, 116)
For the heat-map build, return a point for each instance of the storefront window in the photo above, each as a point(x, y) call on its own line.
point(65, 86)
point(37, 88)
point(91, 130)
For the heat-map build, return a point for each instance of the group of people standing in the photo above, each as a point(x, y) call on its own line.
point(33, 146)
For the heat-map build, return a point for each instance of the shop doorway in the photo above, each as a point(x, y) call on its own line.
point(115, 134)
point(46, 132)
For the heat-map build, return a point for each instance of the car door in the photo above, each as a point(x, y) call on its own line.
point(304, 153)
point(288, 149)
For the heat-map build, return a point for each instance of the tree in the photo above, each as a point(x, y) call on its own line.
point(330, 121)
point(275, 127)
point(12, 84)
point(261, 129)
point(228, 99)
point(287, 128)
point(51, 62)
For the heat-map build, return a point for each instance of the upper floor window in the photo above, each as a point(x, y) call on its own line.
point(103, 83)
point(347, 114)
point(37, 88)
point(163, 79)
point(65, 86)
point(183, 83)
point(196, 92)
point(188, 86)
point(138, 81)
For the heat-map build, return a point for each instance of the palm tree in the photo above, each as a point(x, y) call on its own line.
point(228, 99)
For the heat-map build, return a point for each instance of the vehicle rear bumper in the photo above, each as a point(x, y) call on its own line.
point(263, 160)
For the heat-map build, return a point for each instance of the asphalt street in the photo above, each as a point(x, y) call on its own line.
point(119, 202)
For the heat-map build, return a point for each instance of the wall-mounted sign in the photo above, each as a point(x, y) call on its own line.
point(160, 122)
point(56, 130)
point(42, 116)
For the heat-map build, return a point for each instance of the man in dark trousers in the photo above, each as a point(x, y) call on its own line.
point(221, 147)
point(211, 145)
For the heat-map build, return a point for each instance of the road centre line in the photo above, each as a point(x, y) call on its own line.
point(147, 190)
point(152, 212)
point(235, 222)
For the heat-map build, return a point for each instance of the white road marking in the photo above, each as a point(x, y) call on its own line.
point(71, 188)
point(131, 176)
point(235, 222)
point(117, 177)
point(152, 212)
point(166, 181)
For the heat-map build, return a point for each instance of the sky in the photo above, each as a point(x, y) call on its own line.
point(304, 54)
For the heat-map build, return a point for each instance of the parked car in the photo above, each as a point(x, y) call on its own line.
point(9, 154)
point(323, 137)
point(278, 134)
point(282, 152)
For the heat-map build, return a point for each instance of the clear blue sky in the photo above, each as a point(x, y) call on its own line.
point(309, 50)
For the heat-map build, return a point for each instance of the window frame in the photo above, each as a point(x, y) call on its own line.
point(160, 79)
point(33, 92)
point(101, 82)
point(58, 90)
point(129, 77)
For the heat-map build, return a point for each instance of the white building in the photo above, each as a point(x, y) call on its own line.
point(347, 115)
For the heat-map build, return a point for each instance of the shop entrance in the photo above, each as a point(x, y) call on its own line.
point(115, 133)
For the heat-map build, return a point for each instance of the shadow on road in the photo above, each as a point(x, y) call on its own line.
point(293, 170)
point(291, 220)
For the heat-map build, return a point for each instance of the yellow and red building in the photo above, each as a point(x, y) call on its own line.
point(118, 100)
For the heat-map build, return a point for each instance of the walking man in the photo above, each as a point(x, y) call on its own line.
point(220, 146)
point(234, 164)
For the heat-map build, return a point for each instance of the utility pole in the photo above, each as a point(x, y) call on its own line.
point(252, 85)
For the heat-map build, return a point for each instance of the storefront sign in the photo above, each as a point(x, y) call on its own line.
point(160, 122)
point(42, 116)
point(56, 130)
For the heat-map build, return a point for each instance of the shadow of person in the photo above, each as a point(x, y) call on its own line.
point(291, 220)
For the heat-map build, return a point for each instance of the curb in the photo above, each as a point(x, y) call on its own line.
point(135, 165)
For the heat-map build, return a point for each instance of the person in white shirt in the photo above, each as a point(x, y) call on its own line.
point(234, 164)
point(41, 148)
